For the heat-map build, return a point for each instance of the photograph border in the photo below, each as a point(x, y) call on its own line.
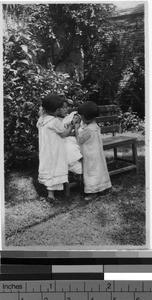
point(97, 251)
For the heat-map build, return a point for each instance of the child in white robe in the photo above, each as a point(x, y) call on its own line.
point(95, 173)
point(53, 165)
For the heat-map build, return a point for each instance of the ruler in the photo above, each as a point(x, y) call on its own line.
point(75, 290)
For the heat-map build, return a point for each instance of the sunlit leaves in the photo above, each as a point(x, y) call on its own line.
point(24, 61)
point(24, 48)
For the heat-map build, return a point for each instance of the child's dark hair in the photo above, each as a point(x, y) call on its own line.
point(52, 102)
point(89, 110)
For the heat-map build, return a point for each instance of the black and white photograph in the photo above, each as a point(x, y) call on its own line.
point(75, 118)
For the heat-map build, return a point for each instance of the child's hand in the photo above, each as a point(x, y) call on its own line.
point(70, 125)
point(76, 119)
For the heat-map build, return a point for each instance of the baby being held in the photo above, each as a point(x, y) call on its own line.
point(72, 147)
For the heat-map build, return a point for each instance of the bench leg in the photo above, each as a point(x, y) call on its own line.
point(115, 153)
point(134, 152)
point(81, 182)
point(67, 185)
point(67, 189)
point(115, 157)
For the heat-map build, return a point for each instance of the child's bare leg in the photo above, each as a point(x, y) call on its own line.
point(51, 194)
point(51, 197)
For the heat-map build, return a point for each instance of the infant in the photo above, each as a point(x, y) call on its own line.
point(72, 147)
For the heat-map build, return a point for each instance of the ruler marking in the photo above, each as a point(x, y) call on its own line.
point(87, 289)
point(114, 286)
point(84, 286)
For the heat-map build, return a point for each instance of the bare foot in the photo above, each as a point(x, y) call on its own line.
point(90, 197)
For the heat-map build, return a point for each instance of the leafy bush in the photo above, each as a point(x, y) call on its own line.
point(32, 36)
point(25, 82)
point(129, 121)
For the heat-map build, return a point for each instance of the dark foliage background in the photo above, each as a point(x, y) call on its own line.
point(38, 38)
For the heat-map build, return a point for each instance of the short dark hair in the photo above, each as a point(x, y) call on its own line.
point(52, 102)
point(89, 110)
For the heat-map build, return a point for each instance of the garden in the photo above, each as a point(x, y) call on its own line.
point(95, 55)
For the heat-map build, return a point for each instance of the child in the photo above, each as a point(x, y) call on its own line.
point(53, 166)
point(72, 147)
point(95, 172)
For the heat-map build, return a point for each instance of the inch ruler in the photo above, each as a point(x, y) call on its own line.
point(75, 290)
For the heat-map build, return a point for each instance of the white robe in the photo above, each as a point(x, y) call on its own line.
point(95, 172)
point(53, 165)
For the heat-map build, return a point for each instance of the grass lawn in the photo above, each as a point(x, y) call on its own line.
point(117, 217)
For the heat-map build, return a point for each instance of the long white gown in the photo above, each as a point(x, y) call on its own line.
point(95, 172)
point(53, 165)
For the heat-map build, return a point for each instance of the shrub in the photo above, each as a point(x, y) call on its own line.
point(129, 121)
point(25, 82)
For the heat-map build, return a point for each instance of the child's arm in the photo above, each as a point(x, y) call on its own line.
point(76, 127)
point(83, 136)
point(59, 128)
point(66, 132)
point(76, 124)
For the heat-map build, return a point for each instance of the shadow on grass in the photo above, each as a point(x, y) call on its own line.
point(133, 234)
point(132, 206)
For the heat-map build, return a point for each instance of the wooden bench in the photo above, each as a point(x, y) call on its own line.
point(108, 122)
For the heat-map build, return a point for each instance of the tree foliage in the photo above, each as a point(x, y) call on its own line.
point(25, 82)
point(38, 38)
